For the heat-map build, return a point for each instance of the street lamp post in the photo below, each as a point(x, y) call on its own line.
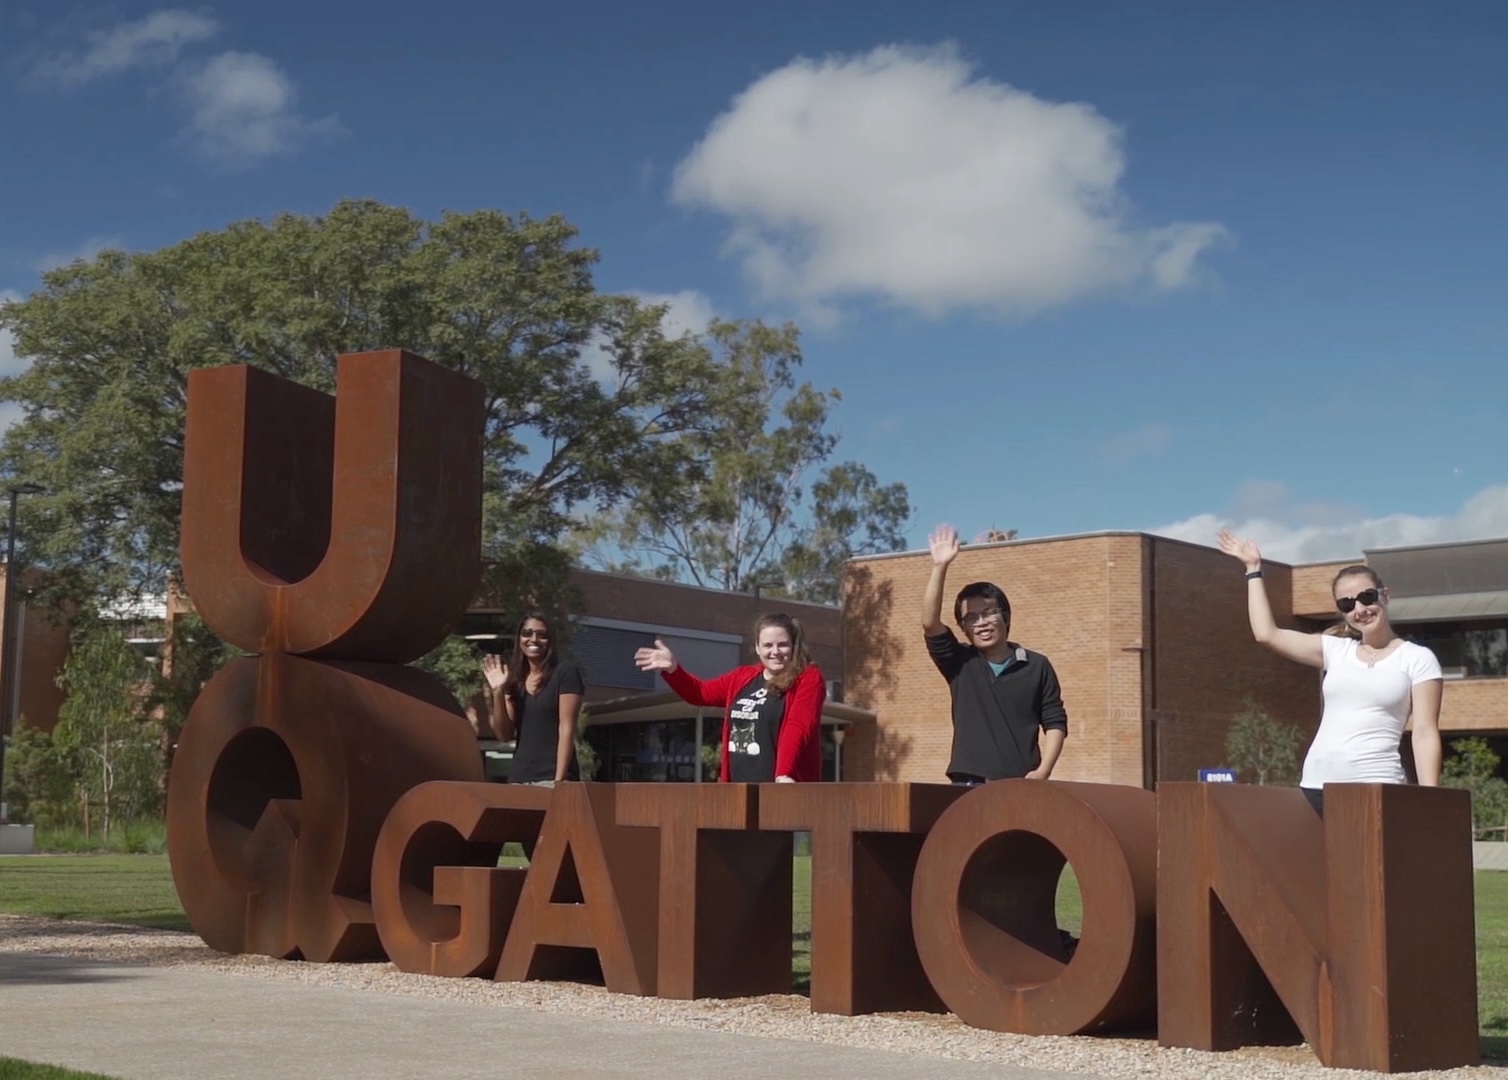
point(9, 675)
point(760, 586)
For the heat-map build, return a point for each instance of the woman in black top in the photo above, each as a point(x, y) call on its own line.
point(536, 699)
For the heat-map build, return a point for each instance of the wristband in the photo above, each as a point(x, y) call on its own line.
point(1252, 575)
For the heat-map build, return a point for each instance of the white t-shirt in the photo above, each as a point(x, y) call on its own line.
point(1366, 709)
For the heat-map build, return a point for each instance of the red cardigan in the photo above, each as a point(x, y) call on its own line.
point(798, 750)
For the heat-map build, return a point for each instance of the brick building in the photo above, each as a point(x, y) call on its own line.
point(635, 720)
point(39, 645)
point(1149, 637)
point(640, 730)
point(1152, 645)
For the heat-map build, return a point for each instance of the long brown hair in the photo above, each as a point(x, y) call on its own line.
point(518, 667)
point(801, 657)
point(1343, 628)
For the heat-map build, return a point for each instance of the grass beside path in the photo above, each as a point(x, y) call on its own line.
point(133, 889)
point(13, 1069)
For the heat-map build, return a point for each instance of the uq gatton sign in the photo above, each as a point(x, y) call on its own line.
point(327, 804)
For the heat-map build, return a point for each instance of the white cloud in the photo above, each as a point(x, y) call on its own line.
point(687, 311)
point(1315, 533)
point(155, 41)
point(85, 251)
point(900, 174)
point(1146, 441)
point(242, 109)
point(10, 364)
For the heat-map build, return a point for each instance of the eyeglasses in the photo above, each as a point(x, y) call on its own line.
point(973, 618)
point(530, 632)
point(1366, 598)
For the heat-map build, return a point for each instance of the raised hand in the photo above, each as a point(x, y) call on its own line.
point(494, 671)
point(1238, 548)
point(944, 545)
point(657, 658)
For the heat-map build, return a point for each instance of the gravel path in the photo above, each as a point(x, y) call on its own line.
point(783, 1016)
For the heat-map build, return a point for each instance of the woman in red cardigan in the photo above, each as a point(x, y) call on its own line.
point(772, 715)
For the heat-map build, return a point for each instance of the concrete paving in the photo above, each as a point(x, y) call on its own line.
point(1489, 855)
point(142, 1023)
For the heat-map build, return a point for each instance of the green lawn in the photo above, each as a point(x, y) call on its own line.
point(1492, 962)
point(132, 889)
point(11, 1069)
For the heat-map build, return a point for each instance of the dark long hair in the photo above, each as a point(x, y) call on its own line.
point(1343, 628)
point(801, 656)
point(518, 667)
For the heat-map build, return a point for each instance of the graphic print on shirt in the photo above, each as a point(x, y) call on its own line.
point(753, 725)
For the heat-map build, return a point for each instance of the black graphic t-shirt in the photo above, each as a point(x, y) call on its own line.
point(753, 726)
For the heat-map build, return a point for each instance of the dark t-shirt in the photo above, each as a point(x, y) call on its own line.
point(753, 727)
point(539, 726)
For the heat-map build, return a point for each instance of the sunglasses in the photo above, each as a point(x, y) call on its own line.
point(1366, 598)
point(544, 635)
point(974, 618)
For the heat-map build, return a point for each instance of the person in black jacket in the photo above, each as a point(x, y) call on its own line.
point(1003, 695)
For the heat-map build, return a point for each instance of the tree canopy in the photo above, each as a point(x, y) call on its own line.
point(746, 517)
point(594, 414)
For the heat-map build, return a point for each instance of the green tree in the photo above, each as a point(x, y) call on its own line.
point(587, 400)
point(586, 754)
point(1263, 749)
point(193, 653)
point(118, 753)
point(745, 514)
point(1472, 764)
point(39, 778)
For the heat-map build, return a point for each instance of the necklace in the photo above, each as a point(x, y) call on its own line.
point(1375, 654)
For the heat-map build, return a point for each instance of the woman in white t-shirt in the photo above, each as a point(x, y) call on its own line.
point(1375, 683)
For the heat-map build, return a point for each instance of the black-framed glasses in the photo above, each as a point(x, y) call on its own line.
point(530, 632)
point(974, 618)
point(1366, 598)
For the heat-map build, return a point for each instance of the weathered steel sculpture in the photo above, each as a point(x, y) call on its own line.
point(443, 905)
point(1358, 928)
point(326, 803)
point(336, 539)
point(984, 904)
point(588, 902)
point(725, 889)
point(865, 843)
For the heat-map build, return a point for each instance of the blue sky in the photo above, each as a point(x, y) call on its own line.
point(1074, 267)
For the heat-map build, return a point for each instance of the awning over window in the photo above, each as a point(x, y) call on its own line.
point(1452, 607)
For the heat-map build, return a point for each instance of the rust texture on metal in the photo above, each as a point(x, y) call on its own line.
point(984, 905)
point(1357, 930)
point(443, 905)
point(725, 889)
point(326, 803)
point(588, 902)
point(310, 531)
point(865, 843)
point(345, 528)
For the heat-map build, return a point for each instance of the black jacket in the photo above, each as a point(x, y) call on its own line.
point(996, 718)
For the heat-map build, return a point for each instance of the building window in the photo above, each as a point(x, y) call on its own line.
point(607, 657)
point(1465, 650)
